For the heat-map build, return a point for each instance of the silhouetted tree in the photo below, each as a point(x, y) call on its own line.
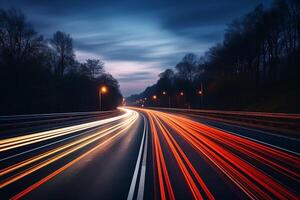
point(18, 40)
point(258, 59)
point(63, 46)
point(38, 77)
point(93, 67)
point(187, 67)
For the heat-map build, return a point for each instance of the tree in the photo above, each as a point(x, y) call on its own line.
point(94, 67)
point(187, 67)
point(63, 46)
point(167, 74)
point(18, 40)
point(30, 67)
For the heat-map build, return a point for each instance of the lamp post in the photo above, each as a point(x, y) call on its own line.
point(200, 92)
point(169, 98)
point(182, 94)
point(103, 89)
point(154, 97)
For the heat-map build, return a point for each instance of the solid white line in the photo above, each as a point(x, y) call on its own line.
point(141, 189)
point(137, 166)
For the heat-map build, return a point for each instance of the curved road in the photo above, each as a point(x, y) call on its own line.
point(148, 154)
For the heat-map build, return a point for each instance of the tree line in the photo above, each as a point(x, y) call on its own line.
point(255, 67)
point(39, 75)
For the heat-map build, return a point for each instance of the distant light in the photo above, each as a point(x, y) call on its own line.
point(142, 105)
point(103, 89)
point(145, 98)
point(154, 97)
point(181, 93)
point(164, 93)
point(200, 92)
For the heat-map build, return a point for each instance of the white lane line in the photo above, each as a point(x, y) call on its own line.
point(141, 189)
point(137, 166)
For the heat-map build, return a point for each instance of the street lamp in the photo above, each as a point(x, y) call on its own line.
point(103, 90)
point(200, 92)
point(169, 98)
point(182, 94)
point(154, 97)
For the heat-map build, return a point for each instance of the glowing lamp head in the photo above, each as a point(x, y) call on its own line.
point(103, 89)
point(164, 93)
point(181, 93)
point(154, 97)
point(200, 92)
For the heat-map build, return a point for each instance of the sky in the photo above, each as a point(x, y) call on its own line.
point(137, 39)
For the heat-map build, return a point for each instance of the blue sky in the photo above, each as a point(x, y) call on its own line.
point(136, 39)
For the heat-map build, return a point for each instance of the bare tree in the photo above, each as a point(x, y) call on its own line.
point(18, 40)
point(187, 67)
point(95, 67)
point(63, 45)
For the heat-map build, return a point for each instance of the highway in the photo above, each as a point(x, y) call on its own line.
point(139, 153)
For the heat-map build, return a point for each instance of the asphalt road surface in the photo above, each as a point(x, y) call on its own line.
point(147, 154)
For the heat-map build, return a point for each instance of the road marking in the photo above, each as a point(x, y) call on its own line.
point(143, 171)
point(137, 166)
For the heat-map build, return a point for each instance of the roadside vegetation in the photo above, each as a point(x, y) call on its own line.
point(256, 67)
point(41, 75)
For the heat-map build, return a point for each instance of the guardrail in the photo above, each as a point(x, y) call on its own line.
point(275, 122)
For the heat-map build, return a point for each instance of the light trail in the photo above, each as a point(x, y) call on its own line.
point(240, 159)
point(178, 153)
point(108, 134)
point(20, 141)
point(256, 169)
point(94, 137)
point(58, 171)
point(162, 172)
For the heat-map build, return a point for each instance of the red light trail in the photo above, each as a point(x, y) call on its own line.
point(238, 158)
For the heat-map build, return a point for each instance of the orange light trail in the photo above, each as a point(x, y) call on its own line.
point(57, 153)
point(28, 139)
point(87, 140)
point(58, 171)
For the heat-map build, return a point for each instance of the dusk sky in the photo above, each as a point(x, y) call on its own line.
point(136, 39)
